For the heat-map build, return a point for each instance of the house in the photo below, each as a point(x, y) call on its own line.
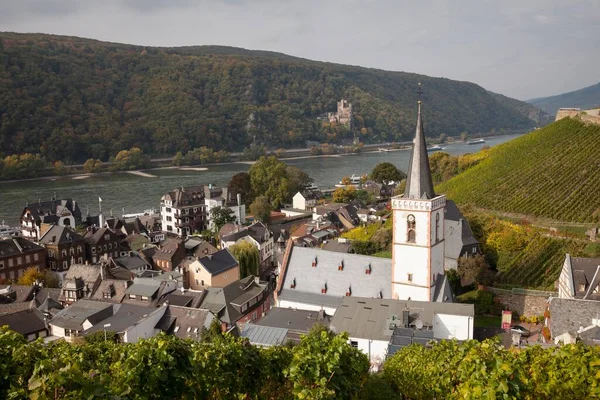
point(148, 291)
point(579, 278)
point(133, 263)
point(573, 320)
point(101, 242)
point(81, 282)
point(379, 190)
point(198, 247)
point(314, 237)
point(344, 216)
point(458, 237)
point(133, 243)
point(169, 254)
point(78, 317)
point(130, 322)
point(306, 199)
point(341, 245)
point(260, 236)
point(15, 298)
point(111, 290)
point(297, 322)
point(64, 212)
point(185, 322)
point(186, 210)
point(218, 270)
point(370, 322)
point(237, 303)
point(17, 254)
point(264, 336)
point(63, 247)
point(315, 279)
point(30, 323)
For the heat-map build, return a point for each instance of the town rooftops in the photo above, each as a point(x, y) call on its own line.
point(265, 336)
point(95, 235)
point(257, 231)
point(15, 246)
point(570, 315)
point(294, 319)
point(145, 287)
point(75, 315)
point(369, 318)
point(112, 290)
point(58, 235)
point(321, 277)
point(586, 277)
point(184, 322)
point(24, 322)
point(124, 316)
point(218, 262)
point(168, 249)
point(53, 207)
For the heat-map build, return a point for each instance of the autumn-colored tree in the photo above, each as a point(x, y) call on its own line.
point(261, 209)
point(92, 165)
point(385, 172)
point(32, 275)
point(474, 269)
point(59, 168)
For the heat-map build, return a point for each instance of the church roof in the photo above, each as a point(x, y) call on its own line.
point(419, 184)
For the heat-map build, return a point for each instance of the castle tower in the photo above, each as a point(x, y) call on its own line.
point(418, 232)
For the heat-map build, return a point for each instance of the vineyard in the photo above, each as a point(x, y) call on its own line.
point(553, 172)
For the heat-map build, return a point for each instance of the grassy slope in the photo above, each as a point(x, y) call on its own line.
point(553, 172)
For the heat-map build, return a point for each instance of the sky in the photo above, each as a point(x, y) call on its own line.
point(523, 49)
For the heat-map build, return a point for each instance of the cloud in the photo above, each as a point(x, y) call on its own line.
point(522, 49)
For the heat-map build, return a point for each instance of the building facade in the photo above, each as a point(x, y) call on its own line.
point(63, 246)
point(16, 255)
point(64, 212)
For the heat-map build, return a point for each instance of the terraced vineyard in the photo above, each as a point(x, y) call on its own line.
point(553, 172)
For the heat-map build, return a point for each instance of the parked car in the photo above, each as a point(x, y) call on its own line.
point(519, 329)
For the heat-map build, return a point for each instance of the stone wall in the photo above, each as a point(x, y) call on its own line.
point(524, 302)
point(590, 116)
point(565, 112)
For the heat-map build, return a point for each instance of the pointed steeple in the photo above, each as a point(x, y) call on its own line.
point(419, 184)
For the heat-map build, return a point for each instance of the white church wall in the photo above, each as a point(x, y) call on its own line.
point(406, 291)
point(447, 326)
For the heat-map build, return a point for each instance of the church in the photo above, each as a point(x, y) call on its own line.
point(429, 235)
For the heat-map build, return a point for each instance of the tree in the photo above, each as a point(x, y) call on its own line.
point(298, 180)
point(268, 177)
point(385, 172)
point(240, 184)
point(248, 258)
point(475, 270)
point(31, 275)
point(221, 216)
point(463, 136)
point(344, 195)
point(59, 168)
point(213, 333)
point(91, 165)
point(261, 209)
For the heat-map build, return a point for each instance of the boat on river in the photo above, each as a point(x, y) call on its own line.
point(6, 230)
point(354, 180)
point(478, 141)
point(435, 148)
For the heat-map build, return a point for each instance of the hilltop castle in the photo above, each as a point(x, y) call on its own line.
point(591, 116)
point(343, 115)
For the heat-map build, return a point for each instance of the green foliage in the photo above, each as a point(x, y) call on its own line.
point(269, 178)
point(385, 172)
point(475, 270)
point(221, 216)
point(92, 165)
point(485, 370)
point(240, 183)
point(213, 333)
point(200, 156)
point(483, 301)
point(261, 209)
point(22, 166)
point(72, 99)
point(248, 257)
point(365, 247)
point(130, 159)
point(362, 232)
point(551, 172)
point(46, 277)
point(297, 180)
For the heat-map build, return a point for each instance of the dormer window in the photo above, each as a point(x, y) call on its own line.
point(368, 270)
point(293, 285)
point(324, 288)
point(582, 287)
point(341, 266)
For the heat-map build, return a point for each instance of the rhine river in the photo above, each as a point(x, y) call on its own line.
point(132, 193)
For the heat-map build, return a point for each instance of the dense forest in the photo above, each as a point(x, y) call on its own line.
point(588, 97)
point(72, 99)
point(552, 172)
point(323, 366)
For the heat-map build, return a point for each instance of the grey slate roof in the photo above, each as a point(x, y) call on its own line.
point(133, 262)
point(293, 319)
point(418, 182)
point(116, 287)
point(184, 322)
point(310, 280)
point(16, 246)
point(257, 231)
point(335, 245)
point(218, 262)
point(453, 213)
point(24, 322)
point(53, 207)
point(60, 235)
point(143, 287)
point(370, 318)
point(568, 315)
point(124, 316)
point(586, 272)
point(73, 316)
point(264, 335)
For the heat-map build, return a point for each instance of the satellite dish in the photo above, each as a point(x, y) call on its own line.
point(418, 324)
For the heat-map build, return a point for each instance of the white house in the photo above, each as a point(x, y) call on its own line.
point(305, 199)
point(379, 327)
point(78, 317)
point(260, 236)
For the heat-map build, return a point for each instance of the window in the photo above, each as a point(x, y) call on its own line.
point(64, 252)
point(244, 307)
point(107, 237)
point(106, 295)
point(145, 298)
point(582, 287)
point(354, 344)
point(202, 282)
point(93, 250)
point(168, 209)
point(410, 276)
point(79, 249)
point(169, 228)
point(80, 260)
point(132, 296)
point(36, 257)
point(176, 329)
point(52, 265)
point(1, 264)
point(27, 258)
point(51, 253)
point(110, 246)
point(169, 219)
point(410, 226)
point(72, 250)
point(196, 281)
point(105, 247)
point(19, 260)
point(474, 249)
point(437, 226)
point(254, 315)
point(65, 264)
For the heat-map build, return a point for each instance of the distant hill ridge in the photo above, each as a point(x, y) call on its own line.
point(70, 99)
point(588, 97)
point(553, 172)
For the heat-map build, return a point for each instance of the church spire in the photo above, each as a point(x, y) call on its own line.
point(419, 184)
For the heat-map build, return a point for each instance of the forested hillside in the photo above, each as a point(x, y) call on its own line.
point(588, 97)
point(72, 99)
point(553, 172)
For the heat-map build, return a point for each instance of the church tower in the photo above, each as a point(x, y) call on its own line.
point(418, 231)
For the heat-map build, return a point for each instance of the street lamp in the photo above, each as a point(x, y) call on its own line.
point(105, 326)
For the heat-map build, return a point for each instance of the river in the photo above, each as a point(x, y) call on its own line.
point(135, 193)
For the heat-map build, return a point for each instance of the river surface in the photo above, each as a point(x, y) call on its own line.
point(132, 193)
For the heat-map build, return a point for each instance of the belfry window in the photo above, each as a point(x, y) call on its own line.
point(437, 227)
point(410, 228)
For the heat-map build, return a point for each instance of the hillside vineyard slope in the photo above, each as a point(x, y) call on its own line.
point(70, 99)
point(553, 172)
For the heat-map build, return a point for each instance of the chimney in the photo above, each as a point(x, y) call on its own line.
point(101, 220)
point(239, 199)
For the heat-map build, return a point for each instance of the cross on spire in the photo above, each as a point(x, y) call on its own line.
point(419, 92)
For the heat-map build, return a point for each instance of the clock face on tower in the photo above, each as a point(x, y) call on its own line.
point(411, 218)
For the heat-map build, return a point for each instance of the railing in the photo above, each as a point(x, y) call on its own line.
point(524, 292)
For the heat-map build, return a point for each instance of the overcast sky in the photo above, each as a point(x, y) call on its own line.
point(524, 48)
